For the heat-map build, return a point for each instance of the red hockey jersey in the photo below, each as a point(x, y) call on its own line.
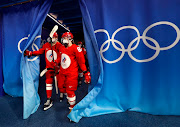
point(84, 51)
point(71, 59)
point(46, 48)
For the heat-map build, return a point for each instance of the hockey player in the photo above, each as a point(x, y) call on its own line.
point(48, 48)
point(71, 59)
point(81, 45)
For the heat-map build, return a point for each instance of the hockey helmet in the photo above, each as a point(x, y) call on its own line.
point(80, 43)
point(68, 34)
point(55, 35)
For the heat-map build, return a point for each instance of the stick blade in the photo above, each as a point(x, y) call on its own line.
point(43, 72)
point(55, 28)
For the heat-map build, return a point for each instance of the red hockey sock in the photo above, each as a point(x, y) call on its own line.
point(48, 90)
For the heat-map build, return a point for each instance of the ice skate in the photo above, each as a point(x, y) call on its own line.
point(48, 104)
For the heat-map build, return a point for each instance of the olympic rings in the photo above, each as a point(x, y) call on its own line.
point(144, 38)
point(33, 45)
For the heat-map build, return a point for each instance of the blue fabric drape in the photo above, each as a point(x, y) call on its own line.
point(139, 45)
point(1, 72)
point(22, 30)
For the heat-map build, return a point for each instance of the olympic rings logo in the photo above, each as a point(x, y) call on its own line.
point(144, 38)
point(33, 45)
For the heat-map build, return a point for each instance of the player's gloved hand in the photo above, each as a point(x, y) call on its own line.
point(55, 63)
point(49, 39)
point(87, 77)
point(28, 53)
point(56, 67)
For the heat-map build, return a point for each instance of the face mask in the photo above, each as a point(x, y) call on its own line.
point(53, 40)
point(65, 41)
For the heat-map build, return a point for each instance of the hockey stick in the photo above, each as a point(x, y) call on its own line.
point(55, 28)
point(43, 72)
point(55, 80)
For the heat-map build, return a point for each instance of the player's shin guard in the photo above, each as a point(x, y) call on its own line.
point(48, 90)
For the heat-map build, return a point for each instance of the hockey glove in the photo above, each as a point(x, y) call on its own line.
point(28, 53)
point(49, 39)
point(56, 67)
point(87, 77)
point(55, 63)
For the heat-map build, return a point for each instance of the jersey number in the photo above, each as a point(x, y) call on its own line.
point(79, 49)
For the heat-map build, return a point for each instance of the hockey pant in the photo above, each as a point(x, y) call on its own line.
point(68, 84)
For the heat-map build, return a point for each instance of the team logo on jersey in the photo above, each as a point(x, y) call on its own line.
point(50, 56)
point(65, 61)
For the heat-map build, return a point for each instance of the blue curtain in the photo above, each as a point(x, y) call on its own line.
point(138, 43)
point(22, 30)
point(1, 72)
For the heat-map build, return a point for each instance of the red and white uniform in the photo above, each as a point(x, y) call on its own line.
point(47, 49)
point(71, 59)
point(80, 71)
point(84, 51)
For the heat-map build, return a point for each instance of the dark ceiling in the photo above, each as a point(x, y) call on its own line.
point(67, 11)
